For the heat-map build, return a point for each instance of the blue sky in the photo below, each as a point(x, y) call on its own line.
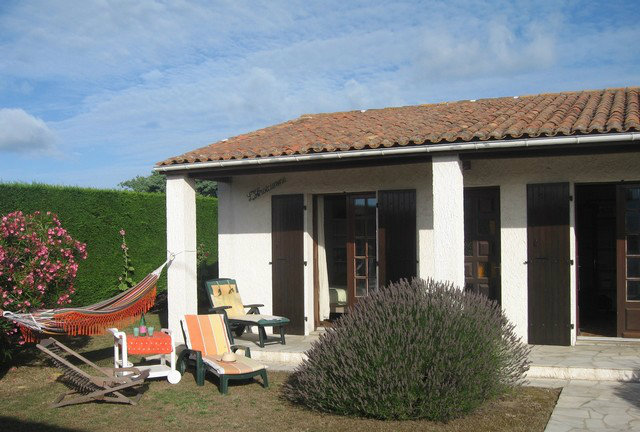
point(95, 92)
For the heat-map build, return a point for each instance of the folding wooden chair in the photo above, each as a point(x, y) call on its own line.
point(106, 386)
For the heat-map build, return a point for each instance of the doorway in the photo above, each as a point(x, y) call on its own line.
point(482, 241)
point(345, 253)
point(596, 252)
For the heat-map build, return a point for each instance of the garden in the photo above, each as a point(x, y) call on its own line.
point(416, 355)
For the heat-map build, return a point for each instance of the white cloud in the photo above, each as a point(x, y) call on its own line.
point(24, 133)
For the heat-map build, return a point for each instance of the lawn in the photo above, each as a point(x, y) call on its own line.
point(26, 391)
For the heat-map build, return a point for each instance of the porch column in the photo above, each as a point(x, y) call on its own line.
point(448, 219)
point(182, 294)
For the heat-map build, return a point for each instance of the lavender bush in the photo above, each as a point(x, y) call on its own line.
point(422, 349)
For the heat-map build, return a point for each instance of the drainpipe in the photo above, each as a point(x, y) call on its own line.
point(421, 149)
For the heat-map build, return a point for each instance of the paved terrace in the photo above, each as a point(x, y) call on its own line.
point(588, 360)
point(600, 380)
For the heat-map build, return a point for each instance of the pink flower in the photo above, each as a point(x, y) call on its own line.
point(122, 232)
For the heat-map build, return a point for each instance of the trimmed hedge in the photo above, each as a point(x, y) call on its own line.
point(95, 216)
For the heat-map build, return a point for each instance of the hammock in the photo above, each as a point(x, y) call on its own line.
point(90, 320)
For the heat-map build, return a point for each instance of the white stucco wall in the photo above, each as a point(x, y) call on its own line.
point(182, 293)
point(244, 226)
point(244, 239)
point(448, 220)
point(512, 176)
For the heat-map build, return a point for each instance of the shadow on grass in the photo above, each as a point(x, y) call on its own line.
point(11, 424)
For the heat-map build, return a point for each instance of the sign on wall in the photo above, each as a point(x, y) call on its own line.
point(259, 191)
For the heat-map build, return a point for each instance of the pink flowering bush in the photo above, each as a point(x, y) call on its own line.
point(38, 266)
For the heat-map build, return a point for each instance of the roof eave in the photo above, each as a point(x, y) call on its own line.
point(471, 146)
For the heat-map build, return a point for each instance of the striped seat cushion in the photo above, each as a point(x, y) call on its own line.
point(242, 365)
point(263, 320)
point(207, 334)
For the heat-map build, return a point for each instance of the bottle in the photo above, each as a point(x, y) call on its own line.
point(143, 326)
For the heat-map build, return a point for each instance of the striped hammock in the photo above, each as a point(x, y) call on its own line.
point(120, 310)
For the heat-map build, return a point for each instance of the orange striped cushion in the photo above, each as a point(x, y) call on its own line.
point(208, 334)
point(242, 365)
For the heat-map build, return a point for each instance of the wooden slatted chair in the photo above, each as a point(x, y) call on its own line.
point(106, 386)
point(224, 297)
point(208, 339)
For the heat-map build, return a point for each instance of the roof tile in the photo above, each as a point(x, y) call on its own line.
point(569, 113)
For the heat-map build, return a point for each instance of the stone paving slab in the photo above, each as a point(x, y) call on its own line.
point(595, 406)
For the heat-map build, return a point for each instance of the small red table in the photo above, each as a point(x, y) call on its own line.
point(159, 346)
point(159, 343)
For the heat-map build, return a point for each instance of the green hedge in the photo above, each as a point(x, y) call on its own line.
point(95, 216)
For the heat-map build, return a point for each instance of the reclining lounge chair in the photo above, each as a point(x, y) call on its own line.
point(105, 386)
point(208, 339)
point(224, 298)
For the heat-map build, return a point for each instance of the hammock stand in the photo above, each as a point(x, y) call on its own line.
point(94, 319)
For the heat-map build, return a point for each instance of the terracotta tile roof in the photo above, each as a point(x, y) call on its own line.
point(571, 113)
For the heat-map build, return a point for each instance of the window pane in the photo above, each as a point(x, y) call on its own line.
point(373, 284)
point(361, 267)
point(371, 202)
point(633, 267)
point(483, 269)
point(633, 197)
point(633, 245)
point(371, 227)
point(361, 287)
point(468, 248)
point(633, 290)
point(360, 246)
point(633, 222)
point(372, 248)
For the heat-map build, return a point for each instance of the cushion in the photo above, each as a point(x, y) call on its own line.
point(263, 320)
point(242, 365)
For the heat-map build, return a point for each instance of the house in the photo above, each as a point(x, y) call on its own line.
point(532, 200)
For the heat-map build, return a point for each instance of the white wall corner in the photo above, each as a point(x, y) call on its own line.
point(182, 290)
point(448, 219)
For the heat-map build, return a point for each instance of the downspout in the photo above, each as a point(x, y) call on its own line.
point(421, 149)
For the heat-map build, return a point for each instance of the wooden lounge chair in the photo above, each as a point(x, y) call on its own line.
point(208, 338)
point(224, 298)
point(105, 386)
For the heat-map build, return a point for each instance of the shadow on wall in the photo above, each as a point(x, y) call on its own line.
point(205, 272)
point(14, 424)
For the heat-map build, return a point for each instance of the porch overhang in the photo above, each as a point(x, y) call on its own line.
point(615, 142)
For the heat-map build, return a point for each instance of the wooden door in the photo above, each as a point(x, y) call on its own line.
point(287, 226)
point(628, 252)
point(548, 264)
point(482, 241)
point(397, 244)
point(361, 246)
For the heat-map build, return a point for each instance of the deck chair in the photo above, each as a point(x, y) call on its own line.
point(106, 385)
point(208, 338)
point(224, 298)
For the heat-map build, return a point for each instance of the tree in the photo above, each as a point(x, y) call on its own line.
point(157, 182)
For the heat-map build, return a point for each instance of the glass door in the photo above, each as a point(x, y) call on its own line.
point(628, 251)
point(361, 246)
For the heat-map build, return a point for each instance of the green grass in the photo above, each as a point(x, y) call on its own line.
point(27, 389)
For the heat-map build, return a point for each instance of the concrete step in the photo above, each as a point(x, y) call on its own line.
point(582, 373)
point(607, 341)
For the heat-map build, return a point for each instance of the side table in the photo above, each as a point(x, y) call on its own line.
point(156, 347)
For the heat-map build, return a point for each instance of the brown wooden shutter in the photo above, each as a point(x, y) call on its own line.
point(287, 227)
point(548, 264)
point(397, 235)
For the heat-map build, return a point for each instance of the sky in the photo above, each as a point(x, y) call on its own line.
point(95, 92)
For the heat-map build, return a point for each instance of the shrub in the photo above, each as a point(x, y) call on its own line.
point(94, 217)
point(38, 265)
point(412, 350)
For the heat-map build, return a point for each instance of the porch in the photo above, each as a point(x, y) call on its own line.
point(590, 359)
